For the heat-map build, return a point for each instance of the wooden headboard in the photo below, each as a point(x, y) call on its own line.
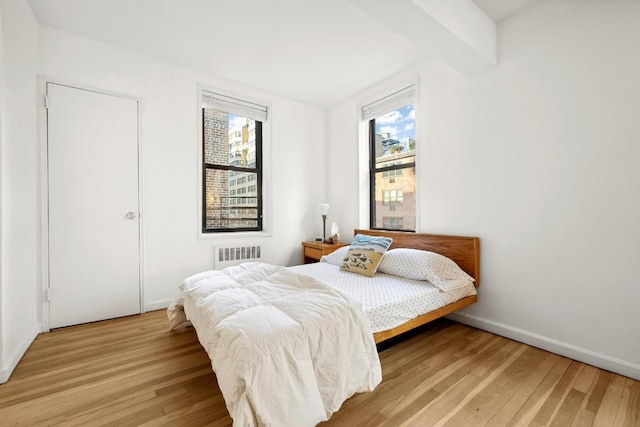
point(464, 251)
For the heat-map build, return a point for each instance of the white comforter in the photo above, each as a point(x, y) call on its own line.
point(287, 349)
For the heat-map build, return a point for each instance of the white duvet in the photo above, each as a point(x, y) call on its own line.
point(287, 349)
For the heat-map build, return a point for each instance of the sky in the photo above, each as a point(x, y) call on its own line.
point(236, 121)
point(399, 123)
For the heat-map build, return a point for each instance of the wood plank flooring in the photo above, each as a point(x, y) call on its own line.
point(133, 371)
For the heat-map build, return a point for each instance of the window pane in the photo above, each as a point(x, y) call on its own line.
point(232, 172)
point(395, 202)
point(229, 140)
point(393, 144)
point(229, 204)
point(395, 137)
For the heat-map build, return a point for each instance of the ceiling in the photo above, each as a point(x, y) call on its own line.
point(319, 52)
point(499, 10)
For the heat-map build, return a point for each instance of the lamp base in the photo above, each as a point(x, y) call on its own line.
point(324, 228)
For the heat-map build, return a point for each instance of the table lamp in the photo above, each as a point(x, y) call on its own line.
point(324, 210)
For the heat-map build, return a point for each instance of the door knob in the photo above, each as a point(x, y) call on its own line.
point(131, 215)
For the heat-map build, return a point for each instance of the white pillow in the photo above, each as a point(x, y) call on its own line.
point(415, 264)
point(336, 257)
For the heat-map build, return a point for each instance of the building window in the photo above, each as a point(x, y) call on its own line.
point(392, 197)
point(392, 147)
point(392, 173)
point(392, 222)
point(232, 148)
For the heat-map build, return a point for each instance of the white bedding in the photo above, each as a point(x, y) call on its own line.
point(388, 301)
point(287, 349)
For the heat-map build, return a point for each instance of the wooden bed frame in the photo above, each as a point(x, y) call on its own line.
point(465, 251)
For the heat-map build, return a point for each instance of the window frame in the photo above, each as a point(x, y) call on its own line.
point(258, 170)
point(372, 177)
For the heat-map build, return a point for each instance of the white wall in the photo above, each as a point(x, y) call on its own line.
point(538, 157)
point(170, 150)
point(20, 223)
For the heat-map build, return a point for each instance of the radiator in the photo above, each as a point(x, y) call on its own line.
point(224, 256)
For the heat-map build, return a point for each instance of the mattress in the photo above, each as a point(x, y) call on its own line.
point(388, 301)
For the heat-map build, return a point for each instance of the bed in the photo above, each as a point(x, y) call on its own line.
point(287, 349)
point(463, 250)
point(290, 348)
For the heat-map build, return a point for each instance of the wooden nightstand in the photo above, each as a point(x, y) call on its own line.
point(313, 251)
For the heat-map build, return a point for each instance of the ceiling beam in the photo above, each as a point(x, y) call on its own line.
point(456, 32)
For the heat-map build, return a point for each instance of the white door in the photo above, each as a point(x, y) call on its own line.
point(94, 243)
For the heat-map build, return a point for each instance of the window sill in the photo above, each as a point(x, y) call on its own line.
point(234, 235)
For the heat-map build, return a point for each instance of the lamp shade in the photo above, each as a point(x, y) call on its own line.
point(324, 208)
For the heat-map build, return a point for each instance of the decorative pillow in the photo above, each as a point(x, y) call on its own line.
point(415, 264)
point(365, 253)
point(336, 256)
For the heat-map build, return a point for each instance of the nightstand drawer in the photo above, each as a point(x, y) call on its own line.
point(313, 253)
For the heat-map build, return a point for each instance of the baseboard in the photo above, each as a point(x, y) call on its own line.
point(14, 359)
point(157, 305)
point(609, 363)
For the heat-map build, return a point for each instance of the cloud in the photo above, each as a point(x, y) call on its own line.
point(412, 113)
point(391, 130)
point(409, 126)
point(236, 122)
point(389, 118)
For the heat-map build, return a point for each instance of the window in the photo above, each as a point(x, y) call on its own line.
point(392, 197)
point(232, 155)
point(392, 222)
point(392, 145)
point(392, 173)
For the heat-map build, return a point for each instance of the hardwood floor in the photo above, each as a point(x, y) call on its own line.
point(134, 371)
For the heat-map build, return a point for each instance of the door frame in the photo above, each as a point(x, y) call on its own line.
point(43, 166)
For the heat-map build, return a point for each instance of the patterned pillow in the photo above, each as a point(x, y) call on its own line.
point(336, 256)
point(415, 264)
point(364, 254)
